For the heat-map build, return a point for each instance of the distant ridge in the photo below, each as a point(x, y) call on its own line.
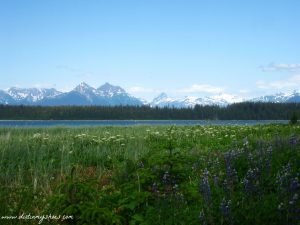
point(82, 94)
point(111, 95)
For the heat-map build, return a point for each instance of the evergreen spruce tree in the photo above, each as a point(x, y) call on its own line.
point(294, 118)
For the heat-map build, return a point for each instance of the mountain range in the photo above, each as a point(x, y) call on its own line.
point(110, 95)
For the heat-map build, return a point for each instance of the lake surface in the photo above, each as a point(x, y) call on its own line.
point(80, 123)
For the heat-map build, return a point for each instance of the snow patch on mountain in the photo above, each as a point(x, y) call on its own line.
point(190, 101)
point(86, 90)
point(112, 95)
point(108, 90)
point(293, 96)
point(31, 94)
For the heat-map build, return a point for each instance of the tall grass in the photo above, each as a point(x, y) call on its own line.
point(151, 175)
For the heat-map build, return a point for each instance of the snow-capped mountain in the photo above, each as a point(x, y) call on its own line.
point(31, 95)
point(225, 99)
point(222, 100)
point(108, 90)
point(115, 95)
point(294, 98)
point(111, 95)
point(279, 97)
point(5, 98)
point(188, 101)
point(86, 90)
point(162, 100)
point(84, 94)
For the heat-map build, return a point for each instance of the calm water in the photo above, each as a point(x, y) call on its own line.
point(78, 123)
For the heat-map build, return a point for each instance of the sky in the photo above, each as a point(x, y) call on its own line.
point(181, 47)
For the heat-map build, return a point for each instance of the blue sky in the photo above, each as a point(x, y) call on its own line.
point(198, 48)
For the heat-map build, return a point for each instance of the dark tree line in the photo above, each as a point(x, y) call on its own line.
point(237, 111)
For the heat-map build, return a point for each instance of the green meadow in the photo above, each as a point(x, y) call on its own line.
point(150, 175)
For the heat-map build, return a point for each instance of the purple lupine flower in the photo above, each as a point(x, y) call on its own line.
point(226, 186)
point(280, 207)
point(293, 140)
point(202, 218)
point(141, 165)
point(250, 181)
point(179, 196)
point(204, 187)
point(175, 189)
point(293, 209)
point(250, 157)
point(283, 177)
point(154, 188)
point(269, 150)
point(268, 159)
point(294, 185)
point(294, 199)
point(225, 207)
point(166, 178)
point(230, 171)
point(216, 180)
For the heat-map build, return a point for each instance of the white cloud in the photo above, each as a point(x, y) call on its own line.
point(290, 82)
point(202, 88)
point(294, 67)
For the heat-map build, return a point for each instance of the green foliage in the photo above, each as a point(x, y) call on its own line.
point(294, 118)
point(153, 175)
point(83, 201)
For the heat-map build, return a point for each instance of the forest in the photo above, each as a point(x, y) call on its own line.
point(237, 111)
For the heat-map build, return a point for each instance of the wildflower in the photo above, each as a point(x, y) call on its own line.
point(154, 188)
point(175, 187)
point(204, 187)
point(250, 181)
point(225, 207)
point(294, 199)
point(226, 186)
point(268, 159)
point(141, 165)
point(166, 178)
point(245, 142)
point(250, 157)
point(293, 140)
point(37, 135)
point(230, 171)
point(216, 180)
point(282, 178)
point(294, 185)
point(280, 206)
point(202, 218)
